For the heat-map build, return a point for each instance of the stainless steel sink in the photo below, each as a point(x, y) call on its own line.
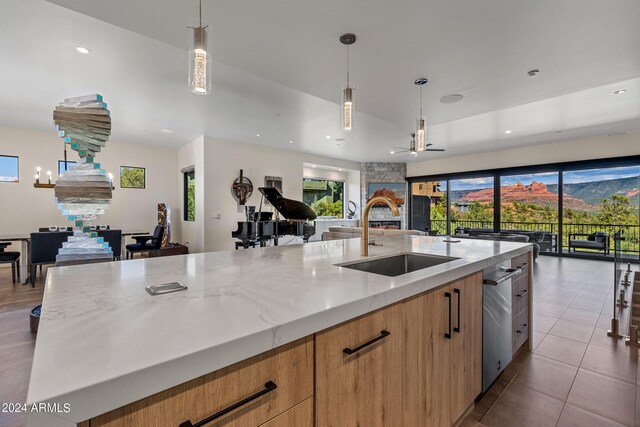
point(396, 265)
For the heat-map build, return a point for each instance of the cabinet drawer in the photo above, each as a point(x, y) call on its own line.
point(359, 367)
point(520, 329)
point(289, 367)
point(300, 415)
point(521, 262)
point(522, 296)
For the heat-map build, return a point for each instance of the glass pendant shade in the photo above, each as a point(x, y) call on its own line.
point(348, 109)
point(420, 136)
point(199, 63)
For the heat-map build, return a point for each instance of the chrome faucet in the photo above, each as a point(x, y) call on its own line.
point(365, 219)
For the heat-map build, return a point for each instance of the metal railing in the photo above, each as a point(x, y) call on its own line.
point(630, 246)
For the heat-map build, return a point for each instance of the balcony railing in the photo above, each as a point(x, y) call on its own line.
point(630, 246)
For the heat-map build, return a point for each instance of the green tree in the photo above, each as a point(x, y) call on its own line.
point(616, 211)
point(191, 199)
point(323, 207)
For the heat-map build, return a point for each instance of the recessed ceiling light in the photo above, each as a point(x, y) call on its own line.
point(166, 131)
point(620, 92)
point(83, 50)
point(290, 142)
point(258, 135)
point(340, 170)
point(328, 136)
point(451, 99)
point(313, 166)
point(392, 152)
point(507, 132)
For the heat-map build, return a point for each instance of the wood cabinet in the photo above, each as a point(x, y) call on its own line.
point(300, 415)
point(289, 368)
point(443, 353)
point(359, 368)
point(466, 357)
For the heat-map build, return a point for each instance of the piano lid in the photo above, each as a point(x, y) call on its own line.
point(289, 209)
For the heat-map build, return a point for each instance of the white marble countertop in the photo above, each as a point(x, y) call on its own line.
point(104, 342)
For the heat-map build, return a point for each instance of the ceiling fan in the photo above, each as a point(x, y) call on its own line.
point(412, 147)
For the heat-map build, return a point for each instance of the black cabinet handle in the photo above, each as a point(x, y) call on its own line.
point(524, 326)
point(383, 334)
point(448, 334)
point(268, 386)
point(457, 292)
point(522, 294)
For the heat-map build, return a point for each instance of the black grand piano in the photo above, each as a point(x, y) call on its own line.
point(263, 229)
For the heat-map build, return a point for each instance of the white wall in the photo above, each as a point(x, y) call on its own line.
point(191, 157)
point(565, 151)
point(25, 208)
point(224, 159)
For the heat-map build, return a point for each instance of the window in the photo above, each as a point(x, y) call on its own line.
point(61, 167)
point(602, 200)
point(557, 206)
point(132, 177)
point(529, 204)
point(189, 195)
point(471, 203)
point(436, 191)
point(326, 197)
point(9, 169)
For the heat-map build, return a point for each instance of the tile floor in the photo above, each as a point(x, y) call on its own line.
point(576, 375)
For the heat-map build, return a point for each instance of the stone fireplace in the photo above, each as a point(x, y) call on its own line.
point(393, 173)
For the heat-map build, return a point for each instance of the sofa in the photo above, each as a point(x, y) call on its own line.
point(598, 241)
point(523, 236)
point(336, 233)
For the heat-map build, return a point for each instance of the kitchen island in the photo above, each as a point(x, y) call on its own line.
point(104, 343)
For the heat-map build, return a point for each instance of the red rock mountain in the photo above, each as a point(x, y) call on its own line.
point(536, 193)
point(632, 193)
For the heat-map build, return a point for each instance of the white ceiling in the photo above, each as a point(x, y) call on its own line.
point(283, 57)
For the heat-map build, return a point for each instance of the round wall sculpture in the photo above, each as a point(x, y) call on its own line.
point(83, 191)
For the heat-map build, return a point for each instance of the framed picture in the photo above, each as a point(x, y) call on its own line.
point(273, 181)
point(132, 177)
point(61, 167)
point(9, 169)
point(391, 190)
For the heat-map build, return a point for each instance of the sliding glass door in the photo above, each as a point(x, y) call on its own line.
point(573, 207)
point(529, 207)
point(429, 206)
point(596, 204)
point(471, 203)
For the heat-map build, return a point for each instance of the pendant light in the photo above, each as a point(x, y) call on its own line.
point(199, 61)
point(420, 128)
point(347, 107)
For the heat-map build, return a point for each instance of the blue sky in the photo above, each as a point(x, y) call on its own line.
point(601, 174)
point(549, 178)
point(8, 168)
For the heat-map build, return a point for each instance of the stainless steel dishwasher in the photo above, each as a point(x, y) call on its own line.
point(497, 348)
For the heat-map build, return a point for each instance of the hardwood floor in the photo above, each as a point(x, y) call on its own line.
point(16, 341)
